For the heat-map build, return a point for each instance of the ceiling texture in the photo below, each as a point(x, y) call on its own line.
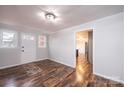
point(31, 16)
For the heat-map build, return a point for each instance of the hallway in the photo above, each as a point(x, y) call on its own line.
point(81, 76)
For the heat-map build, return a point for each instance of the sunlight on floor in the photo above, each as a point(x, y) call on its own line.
point(79, 73)
point(82, 70)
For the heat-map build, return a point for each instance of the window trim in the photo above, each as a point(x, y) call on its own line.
point(45, 41)
point(15, 39)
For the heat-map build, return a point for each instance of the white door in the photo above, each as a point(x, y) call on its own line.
point(28, 47)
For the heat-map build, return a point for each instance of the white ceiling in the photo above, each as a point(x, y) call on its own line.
point(68, 16)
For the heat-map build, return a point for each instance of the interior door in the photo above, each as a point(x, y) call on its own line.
point(28, 47)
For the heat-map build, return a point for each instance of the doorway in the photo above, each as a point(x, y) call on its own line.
point(28, 47)
point(84, 54)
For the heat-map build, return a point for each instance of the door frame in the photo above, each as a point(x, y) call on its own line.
point(35, 42)
point(85, 30)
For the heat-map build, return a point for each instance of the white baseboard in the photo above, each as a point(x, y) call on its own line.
point(21, 63)
point(36, 61)
point(41, 59)
point(61, 62)
point(104, 76)
point(110, 78)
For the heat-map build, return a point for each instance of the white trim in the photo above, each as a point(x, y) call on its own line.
point(61, 62)
point(110, 78)
point(36, 61)
point(75, 43)
point(107, 77)
point(21, 28)
point(21, 63)
point(85, 23)
point(40, 59)
point(84, 30)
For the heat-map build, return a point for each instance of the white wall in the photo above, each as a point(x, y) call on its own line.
point(12, 56)
point(107, 46)
point(61, 48)
point(9, 57)
point(42, 53)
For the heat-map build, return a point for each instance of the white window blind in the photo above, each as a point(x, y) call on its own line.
point(8, 39)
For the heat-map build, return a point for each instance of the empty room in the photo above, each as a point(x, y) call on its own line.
point(61, 46)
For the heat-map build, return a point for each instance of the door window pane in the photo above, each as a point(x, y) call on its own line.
point(28, 37)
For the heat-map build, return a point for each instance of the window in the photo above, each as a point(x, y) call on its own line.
point(42, 41)
point(8, 39)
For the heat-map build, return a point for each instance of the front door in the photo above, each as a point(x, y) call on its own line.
point(28, 47)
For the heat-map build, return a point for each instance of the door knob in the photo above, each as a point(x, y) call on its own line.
point(22, 50)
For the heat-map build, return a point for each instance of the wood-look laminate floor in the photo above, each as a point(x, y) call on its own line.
point(48, 73)
point(44, 73)
point(80, 77)
point(83, 77)
point(91, 80)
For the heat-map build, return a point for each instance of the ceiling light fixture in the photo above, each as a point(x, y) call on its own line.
point(50, 16)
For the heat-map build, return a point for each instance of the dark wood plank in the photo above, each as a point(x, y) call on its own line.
point(48, 73)
point(40, 74)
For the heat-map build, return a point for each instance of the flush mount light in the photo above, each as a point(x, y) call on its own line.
point(50, 16)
